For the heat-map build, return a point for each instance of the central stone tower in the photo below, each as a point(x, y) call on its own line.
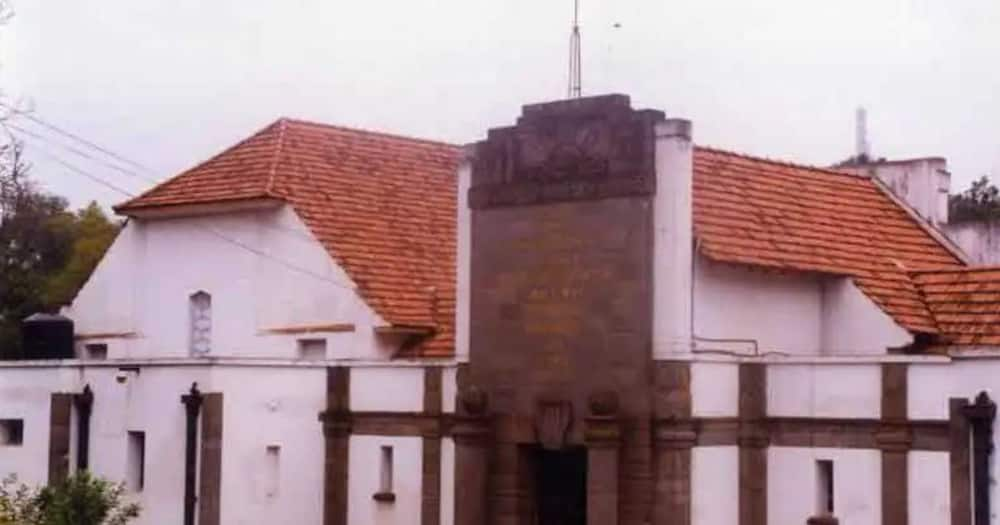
point(561, 381)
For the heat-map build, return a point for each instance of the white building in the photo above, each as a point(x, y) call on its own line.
point(394, 331)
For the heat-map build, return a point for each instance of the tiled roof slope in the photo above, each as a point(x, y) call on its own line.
point(382, 205)
point(766, 213)
point(965, 303)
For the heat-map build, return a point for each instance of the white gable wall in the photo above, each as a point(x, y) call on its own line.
point(786, 313)
point(781, 312)
point(271, 273)
point(853, 324)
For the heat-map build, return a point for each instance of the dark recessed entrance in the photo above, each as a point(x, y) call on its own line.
point(561, 484)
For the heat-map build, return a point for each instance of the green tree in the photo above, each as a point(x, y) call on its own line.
point(93, 233)
point(980, 202)
point(81, 499)
point(46, 251)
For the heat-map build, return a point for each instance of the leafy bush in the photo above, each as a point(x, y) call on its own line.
point(82, 499)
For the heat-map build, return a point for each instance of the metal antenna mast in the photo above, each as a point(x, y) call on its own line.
point(575, 73)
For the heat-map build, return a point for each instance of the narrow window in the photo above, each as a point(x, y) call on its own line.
point(96, 351)
point(312, 349)
point(272, 476)
point(385, 494)
point(824, 487)
point(135, 461)
point(201, 323)
point(11, 432)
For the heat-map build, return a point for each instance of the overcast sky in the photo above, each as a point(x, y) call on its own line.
point(169, 83)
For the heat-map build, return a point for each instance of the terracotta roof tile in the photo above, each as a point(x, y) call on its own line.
point(767, 213)
point(965, 302)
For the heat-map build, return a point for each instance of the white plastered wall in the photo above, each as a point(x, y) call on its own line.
point(672, 239)
point(854, 325)
point(781, 312)
point(365, 475)
point(792, 484)
point(786, 313)
point(824, 390)
point(263, 269)
point(715, 485)
point(463, 256)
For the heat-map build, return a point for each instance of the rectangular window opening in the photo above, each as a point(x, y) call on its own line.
point(135, 464)
point(824, 487)
point(11, 432)
point(385, 494)
point(312, 349)
point(273, 470)
point(96, 351)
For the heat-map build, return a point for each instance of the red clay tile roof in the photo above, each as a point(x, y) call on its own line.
point(965, 303)
point(382, 205)
point(766, 213)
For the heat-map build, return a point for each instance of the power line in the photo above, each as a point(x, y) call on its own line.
point(83, 154)
point(78, 171)
point(212, 231)
point(61, 131)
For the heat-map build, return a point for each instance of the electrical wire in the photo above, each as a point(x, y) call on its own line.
point(256, 251)
point(83, 154)
point(42, 122)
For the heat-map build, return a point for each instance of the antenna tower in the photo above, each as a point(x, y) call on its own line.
point(575, 74)
point(862, 149)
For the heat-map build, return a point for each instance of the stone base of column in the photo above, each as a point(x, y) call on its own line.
point(603, 437)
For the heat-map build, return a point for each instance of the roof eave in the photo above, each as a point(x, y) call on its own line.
point(170, 211)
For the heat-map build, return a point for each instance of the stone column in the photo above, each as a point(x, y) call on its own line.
point(210, 480)
point(674, 437)
point(472, 450)
point(602, 432)
point(430, 481)
point(894, 440)
point(674, 441)
point(337, 433)
point(959, 458)
point(753, 442)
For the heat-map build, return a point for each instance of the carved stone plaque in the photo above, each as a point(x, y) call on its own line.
point(578, 149)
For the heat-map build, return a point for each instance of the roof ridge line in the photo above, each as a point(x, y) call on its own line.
point(279, 144)
point(958, 269)
point(780, 162)
point(370, 131)
point(943, 240)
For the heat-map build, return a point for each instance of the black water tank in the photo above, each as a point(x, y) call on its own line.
point(47, 336)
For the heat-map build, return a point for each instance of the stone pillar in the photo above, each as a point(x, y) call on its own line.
point(473, 435)
point(210, 479)
point(959, 459)
point(472, 450)
point(673, 473)
point(430, 481)
point(674, 437)
point(894, 440)
point(337, 432)
point(753, 442)
point(602, 433)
